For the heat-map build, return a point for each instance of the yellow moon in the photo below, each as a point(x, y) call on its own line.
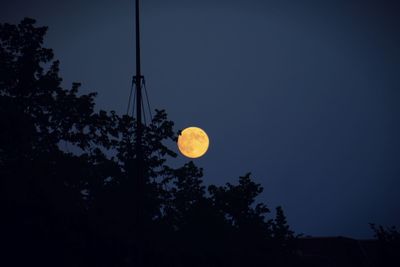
point(193, 142)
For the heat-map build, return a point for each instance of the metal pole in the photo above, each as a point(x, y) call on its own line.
point(139, 181)
point(138, 81)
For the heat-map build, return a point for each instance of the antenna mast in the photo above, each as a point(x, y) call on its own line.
point(138, 82)
point(139, 182)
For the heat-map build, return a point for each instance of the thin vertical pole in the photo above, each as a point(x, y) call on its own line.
point(138, 81)
point(139, 179)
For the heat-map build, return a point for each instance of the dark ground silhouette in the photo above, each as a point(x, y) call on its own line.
point(68, 192)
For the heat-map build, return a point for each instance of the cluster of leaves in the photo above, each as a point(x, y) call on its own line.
point(389, 244)
point(68, 176)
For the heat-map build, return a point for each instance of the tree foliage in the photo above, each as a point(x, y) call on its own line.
point(67, 180)
point(389, 244)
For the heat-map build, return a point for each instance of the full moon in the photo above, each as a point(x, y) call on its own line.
point(193, 142)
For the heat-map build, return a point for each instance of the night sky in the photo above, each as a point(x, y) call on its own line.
point(303, 94)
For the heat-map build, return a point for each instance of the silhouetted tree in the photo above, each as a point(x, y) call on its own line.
point(41, 184)
point(389, 244)
point(280, 228)
point(68, 171)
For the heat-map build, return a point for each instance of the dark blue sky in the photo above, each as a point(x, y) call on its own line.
point(303, 94)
